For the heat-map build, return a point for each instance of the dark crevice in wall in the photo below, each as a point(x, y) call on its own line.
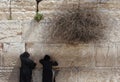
point(10, 11)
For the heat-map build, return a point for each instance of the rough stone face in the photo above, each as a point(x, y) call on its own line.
point(83, 54)
point(31, 32)
point(35, 32)
point(98, 76)
point(12, 52)
point(10, 31)
point(70, 75)
point(94, 62)
point(84, 75)
point(9, 75)
point(106, 55)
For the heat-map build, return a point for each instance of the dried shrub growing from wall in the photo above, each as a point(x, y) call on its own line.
point(76, 25)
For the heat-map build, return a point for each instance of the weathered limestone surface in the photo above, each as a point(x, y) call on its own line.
point(93, 62)
point(83, 54)
point(25, 9)
point(69, 74)
point(10, 31)
point(85, 75)
point(33, 31)
point(106, 56)
point(8, 75)
point(11, 54)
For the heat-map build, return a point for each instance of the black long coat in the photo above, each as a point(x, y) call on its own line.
point(47, 75)
point(27, 65)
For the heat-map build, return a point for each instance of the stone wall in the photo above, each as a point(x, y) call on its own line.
point(84, 62)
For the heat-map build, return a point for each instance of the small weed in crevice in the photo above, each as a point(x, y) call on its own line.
point(38, 17)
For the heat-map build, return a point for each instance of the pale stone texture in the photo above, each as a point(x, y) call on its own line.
point(77, 63)
point(68, 73)
point(35, 32)
point(97, 75)
point(83, 75)
point(12, 52)
point(19, 8)
point(4, 6)
point(4, 16)
point(113, 25)
point(9, 75)
point(66, 55)
point(10, 31)
point(106, 55)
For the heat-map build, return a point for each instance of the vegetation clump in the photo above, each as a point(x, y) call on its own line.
point(38, 17)
point(82, 24)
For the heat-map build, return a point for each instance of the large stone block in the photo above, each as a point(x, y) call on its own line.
point(82, 75)
point(35, 32)
point(106, 55)
point(117, 74)
point(49, 5)
point(66, 55)
point(96, 75)
point(29, 15)
point(113, 1)
point(19, 6)
point(9, 75)
point(23, 15)
point(112, 30)
point(4, 6)
point(10, 31)
point(66, 75)
point(110, 17)
point(4, 16)
point(23, 6)
point(12, 52)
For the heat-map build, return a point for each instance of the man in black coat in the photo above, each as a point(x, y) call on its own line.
point(47, 75)
point(27, 65)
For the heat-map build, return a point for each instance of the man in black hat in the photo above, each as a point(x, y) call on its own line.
point(27, 65)
point(47, 75)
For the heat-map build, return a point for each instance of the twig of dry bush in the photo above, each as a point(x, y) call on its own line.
point(76, 25)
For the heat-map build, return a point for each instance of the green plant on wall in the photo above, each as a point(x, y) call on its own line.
point(38, 15)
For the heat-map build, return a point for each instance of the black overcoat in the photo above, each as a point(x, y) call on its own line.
point(27, 65)
point(47, 74)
